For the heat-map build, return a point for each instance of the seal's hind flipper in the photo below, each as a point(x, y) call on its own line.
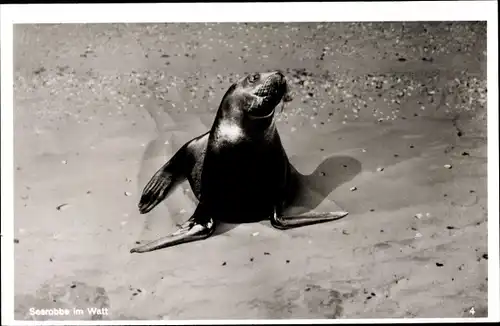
point(194, 229)
point(288, 222)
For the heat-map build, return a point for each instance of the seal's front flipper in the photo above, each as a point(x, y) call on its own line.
point(189, 231)
point(156, 190)
point(165, 180)
point(288, 222)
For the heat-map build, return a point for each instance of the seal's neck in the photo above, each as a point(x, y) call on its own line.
point(236, 129)
point(260, 126)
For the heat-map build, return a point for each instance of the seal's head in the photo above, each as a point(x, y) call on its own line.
point(257, 95)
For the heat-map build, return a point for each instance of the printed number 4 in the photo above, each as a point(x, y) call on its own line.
point(472, 311)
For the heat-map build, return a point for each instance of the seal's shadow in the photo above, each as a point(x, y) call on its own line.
point(309, 191)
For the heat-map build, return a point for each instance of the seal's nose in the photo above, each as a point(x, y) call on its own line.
point(280, 73)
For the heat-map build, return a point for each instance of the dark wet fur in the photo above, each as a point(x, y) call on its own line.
point(245, 179)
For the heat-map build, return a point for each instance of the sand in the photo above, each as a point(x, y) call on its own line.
point(388, 122)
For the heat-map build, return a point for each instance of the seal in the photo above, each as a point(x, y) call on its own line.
point(238, 170)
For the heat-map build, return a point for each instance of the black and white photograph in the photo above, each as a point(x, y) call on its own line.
point(203, 162)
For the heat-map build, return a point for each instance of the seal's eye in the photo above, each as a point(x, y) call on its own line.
point(253, 78)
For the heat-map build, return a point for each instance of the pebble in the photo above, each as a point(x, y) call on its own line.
point(255, 234)
point(448, 166)
point(127, 193)
point(419, 215)
point(353, 189)
point(380, 169)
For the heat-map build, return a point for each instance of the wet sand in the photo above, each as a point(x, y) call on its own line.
point(388, 122)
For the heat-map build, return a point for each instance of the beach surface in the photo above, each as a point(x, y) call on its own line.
point(388, 122)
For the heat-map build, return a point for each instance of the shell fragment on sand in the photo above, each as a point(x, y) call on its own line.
point(62, 207)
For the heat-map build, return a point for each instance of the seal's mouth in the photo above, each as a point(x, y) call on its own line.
point(254, 117)
point(288, 96)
